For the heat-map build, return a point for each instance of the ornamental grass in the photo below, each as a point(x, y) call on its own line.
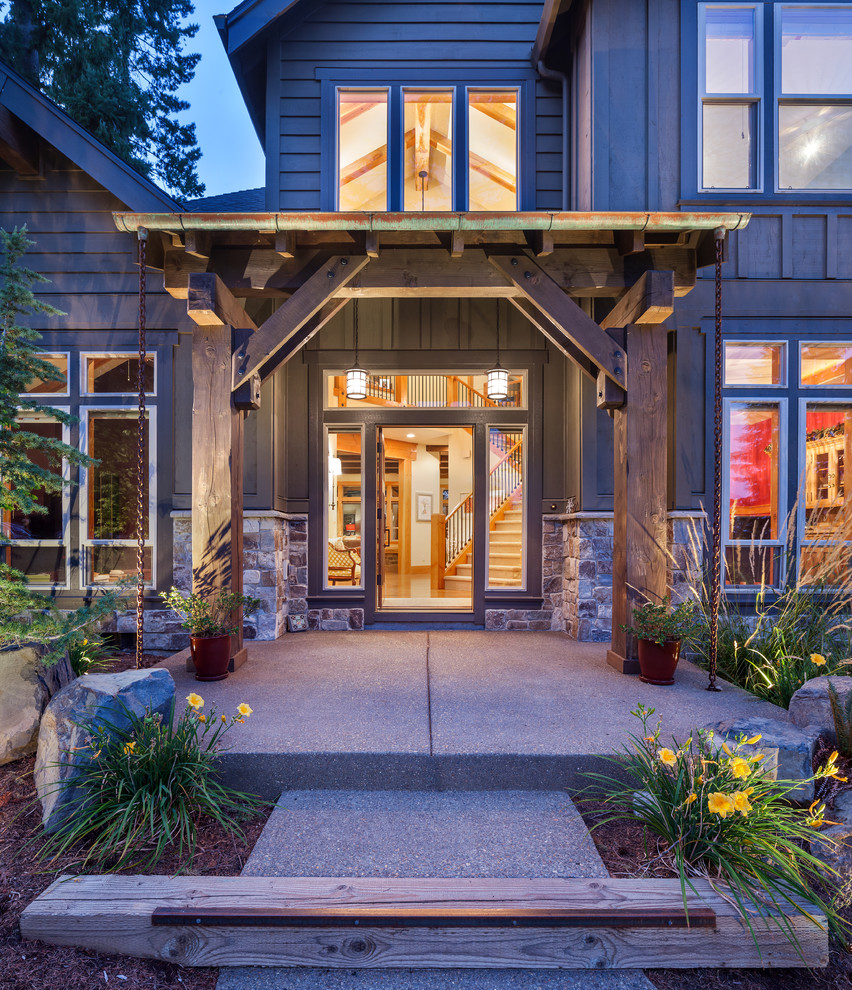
point(721, 816)
point(146, 788)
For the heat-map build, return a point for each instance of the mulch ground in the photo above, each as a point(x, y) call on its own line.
point(36, 966)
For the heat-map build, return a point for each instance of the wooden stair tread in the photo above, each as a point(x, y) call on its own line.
point(345, 922)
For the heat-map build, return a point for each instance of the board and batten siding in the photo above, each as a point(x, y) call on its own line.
point(371, 38)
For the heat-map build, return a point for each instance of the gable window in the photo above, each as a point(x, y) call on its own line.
point(425, 148)
point(775, 97)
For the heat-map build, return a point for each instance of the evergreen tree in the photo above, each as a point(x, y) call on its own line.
point(114, 67)
point(19, 365)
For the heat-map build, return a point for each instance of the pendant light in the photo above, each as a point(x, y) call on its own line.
point(356, 377)
point(497, 387)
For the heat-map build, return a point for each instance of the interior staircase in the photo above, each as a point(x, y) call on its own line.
point(504, 558)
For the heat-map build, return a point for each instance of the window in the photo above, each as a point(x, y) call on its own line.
point(424, 391)
point(38, 543)
point(53, 387)
point(115, 374)
point(344, 508)
point(786, 499)
point(775, 76)
point(108, 516)
point(428, 148)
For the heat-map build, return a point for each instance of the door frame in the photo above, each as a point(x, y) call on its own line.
point(479, 419)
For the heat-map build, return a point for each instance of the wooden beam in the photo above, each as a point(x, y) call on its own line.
point(648, 301)
point(428, 273)
point(640, 538)
point(299, 339)
point(198, 243)
point(217, 471)
point(557, 336)
point(422, 146)
point(496, 109)
point(552, 9)
point(604, 923)
point(363, 165)
point(396, 449)
point(561, 310)
point(295, 312)
point(540, 242)
point(285, 243)
point(628, 241)
point(371, 244)
point(209, 303)
point(19, 145)
point(585, 272)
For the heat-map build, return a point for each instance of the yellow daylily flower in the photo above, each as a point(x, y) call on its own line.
point(692, 797)
point(741, 802)
point(244, 709)
point(754, 739)
point(129, 748)
point(740, 767)
point(720, 804)
point(818, 659)
point(224, 718)
point(727, 749)
point(667, 757)
point(202, 718)
point(194, 700)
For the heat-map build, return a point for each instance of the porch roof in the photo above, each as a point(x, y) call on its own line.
point(498, 224)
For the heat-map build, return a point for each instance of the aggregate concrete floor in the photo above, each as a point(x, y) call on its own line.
point(425, 834)
point(454, 692)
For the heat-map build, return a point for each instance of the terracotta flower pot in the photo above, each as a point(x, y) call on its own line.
point(657, 662)
point(211, 655)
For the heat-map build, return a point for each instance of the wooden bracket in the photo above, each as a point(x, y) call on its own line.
point(540, 242)
point(629, 241)
point(285, 243)
point(292, 315)
point(209, 303)
point(549, 298)
point(609, 395)
point(648, 301)
point(247, 396)
point(198, 243)
point(371, 244)
point(556, 335)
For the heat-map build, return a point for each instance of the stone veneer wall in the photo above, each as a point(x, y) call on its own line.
point(576, 578)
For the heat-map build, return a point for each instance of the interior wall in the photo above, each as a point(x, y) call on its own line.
point(425, 479)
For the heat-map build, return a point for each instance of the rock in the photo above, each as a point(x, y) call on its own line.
point(103, 699)
point(789, 750)
point(25, 689)
point(810, 704)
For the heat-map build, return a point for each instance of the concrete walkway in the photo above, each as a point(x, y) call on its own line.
point(440, 710)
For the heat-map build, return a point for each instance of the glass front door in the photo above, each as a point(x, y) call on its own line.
point(424, 518)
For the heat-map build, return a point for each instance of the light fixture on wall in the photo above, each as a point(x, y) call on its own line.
point(356, 377)
point(497, 386)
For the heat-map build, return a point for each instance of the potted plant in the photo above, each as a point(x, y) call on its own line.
point(210, 624)
point(660, 630)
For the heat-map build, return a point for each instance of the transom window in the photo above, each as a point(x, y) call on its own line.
point(427, 148)
point(775, 76)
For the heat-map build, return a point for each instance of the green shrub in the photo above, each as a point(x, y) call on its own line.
point(147, 788)
point(88, 654)
point(721, 815)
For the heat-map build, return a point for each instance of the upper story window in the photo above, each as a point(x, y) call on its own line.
point(775, 84)
point(427, 148)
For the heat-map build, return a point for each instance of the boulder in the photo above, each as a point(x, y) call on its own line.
point(63, 748)
point(25, 689)
point(788, 750)
point(810, 705)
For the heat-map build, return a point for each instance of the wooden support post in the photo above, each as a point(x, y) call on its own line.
point(640, 539)
point(439, 550)
point(217, 473)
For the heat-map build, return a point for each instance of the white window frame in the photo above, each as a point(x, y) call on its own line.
point(33, 415)
point(799, 99)
point(763, 342)
point(755, 98)
point(821, 343)
point(783, 513)
point(801, 445)
point(86, 543)
point(47, 396)
point(84, 380)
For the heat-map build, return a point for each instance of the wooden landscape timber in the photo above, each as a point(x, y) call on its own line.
point(350, 923)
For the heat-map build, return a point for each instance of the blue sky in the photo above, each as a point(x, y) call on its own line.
point(231, 156)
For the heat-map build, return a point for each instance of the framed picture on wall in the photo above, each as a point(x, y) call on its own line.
point(424, 506)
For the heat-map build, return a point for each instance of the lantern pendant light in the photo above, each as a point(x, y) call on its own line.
point(497, 387)
point(356, 376)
